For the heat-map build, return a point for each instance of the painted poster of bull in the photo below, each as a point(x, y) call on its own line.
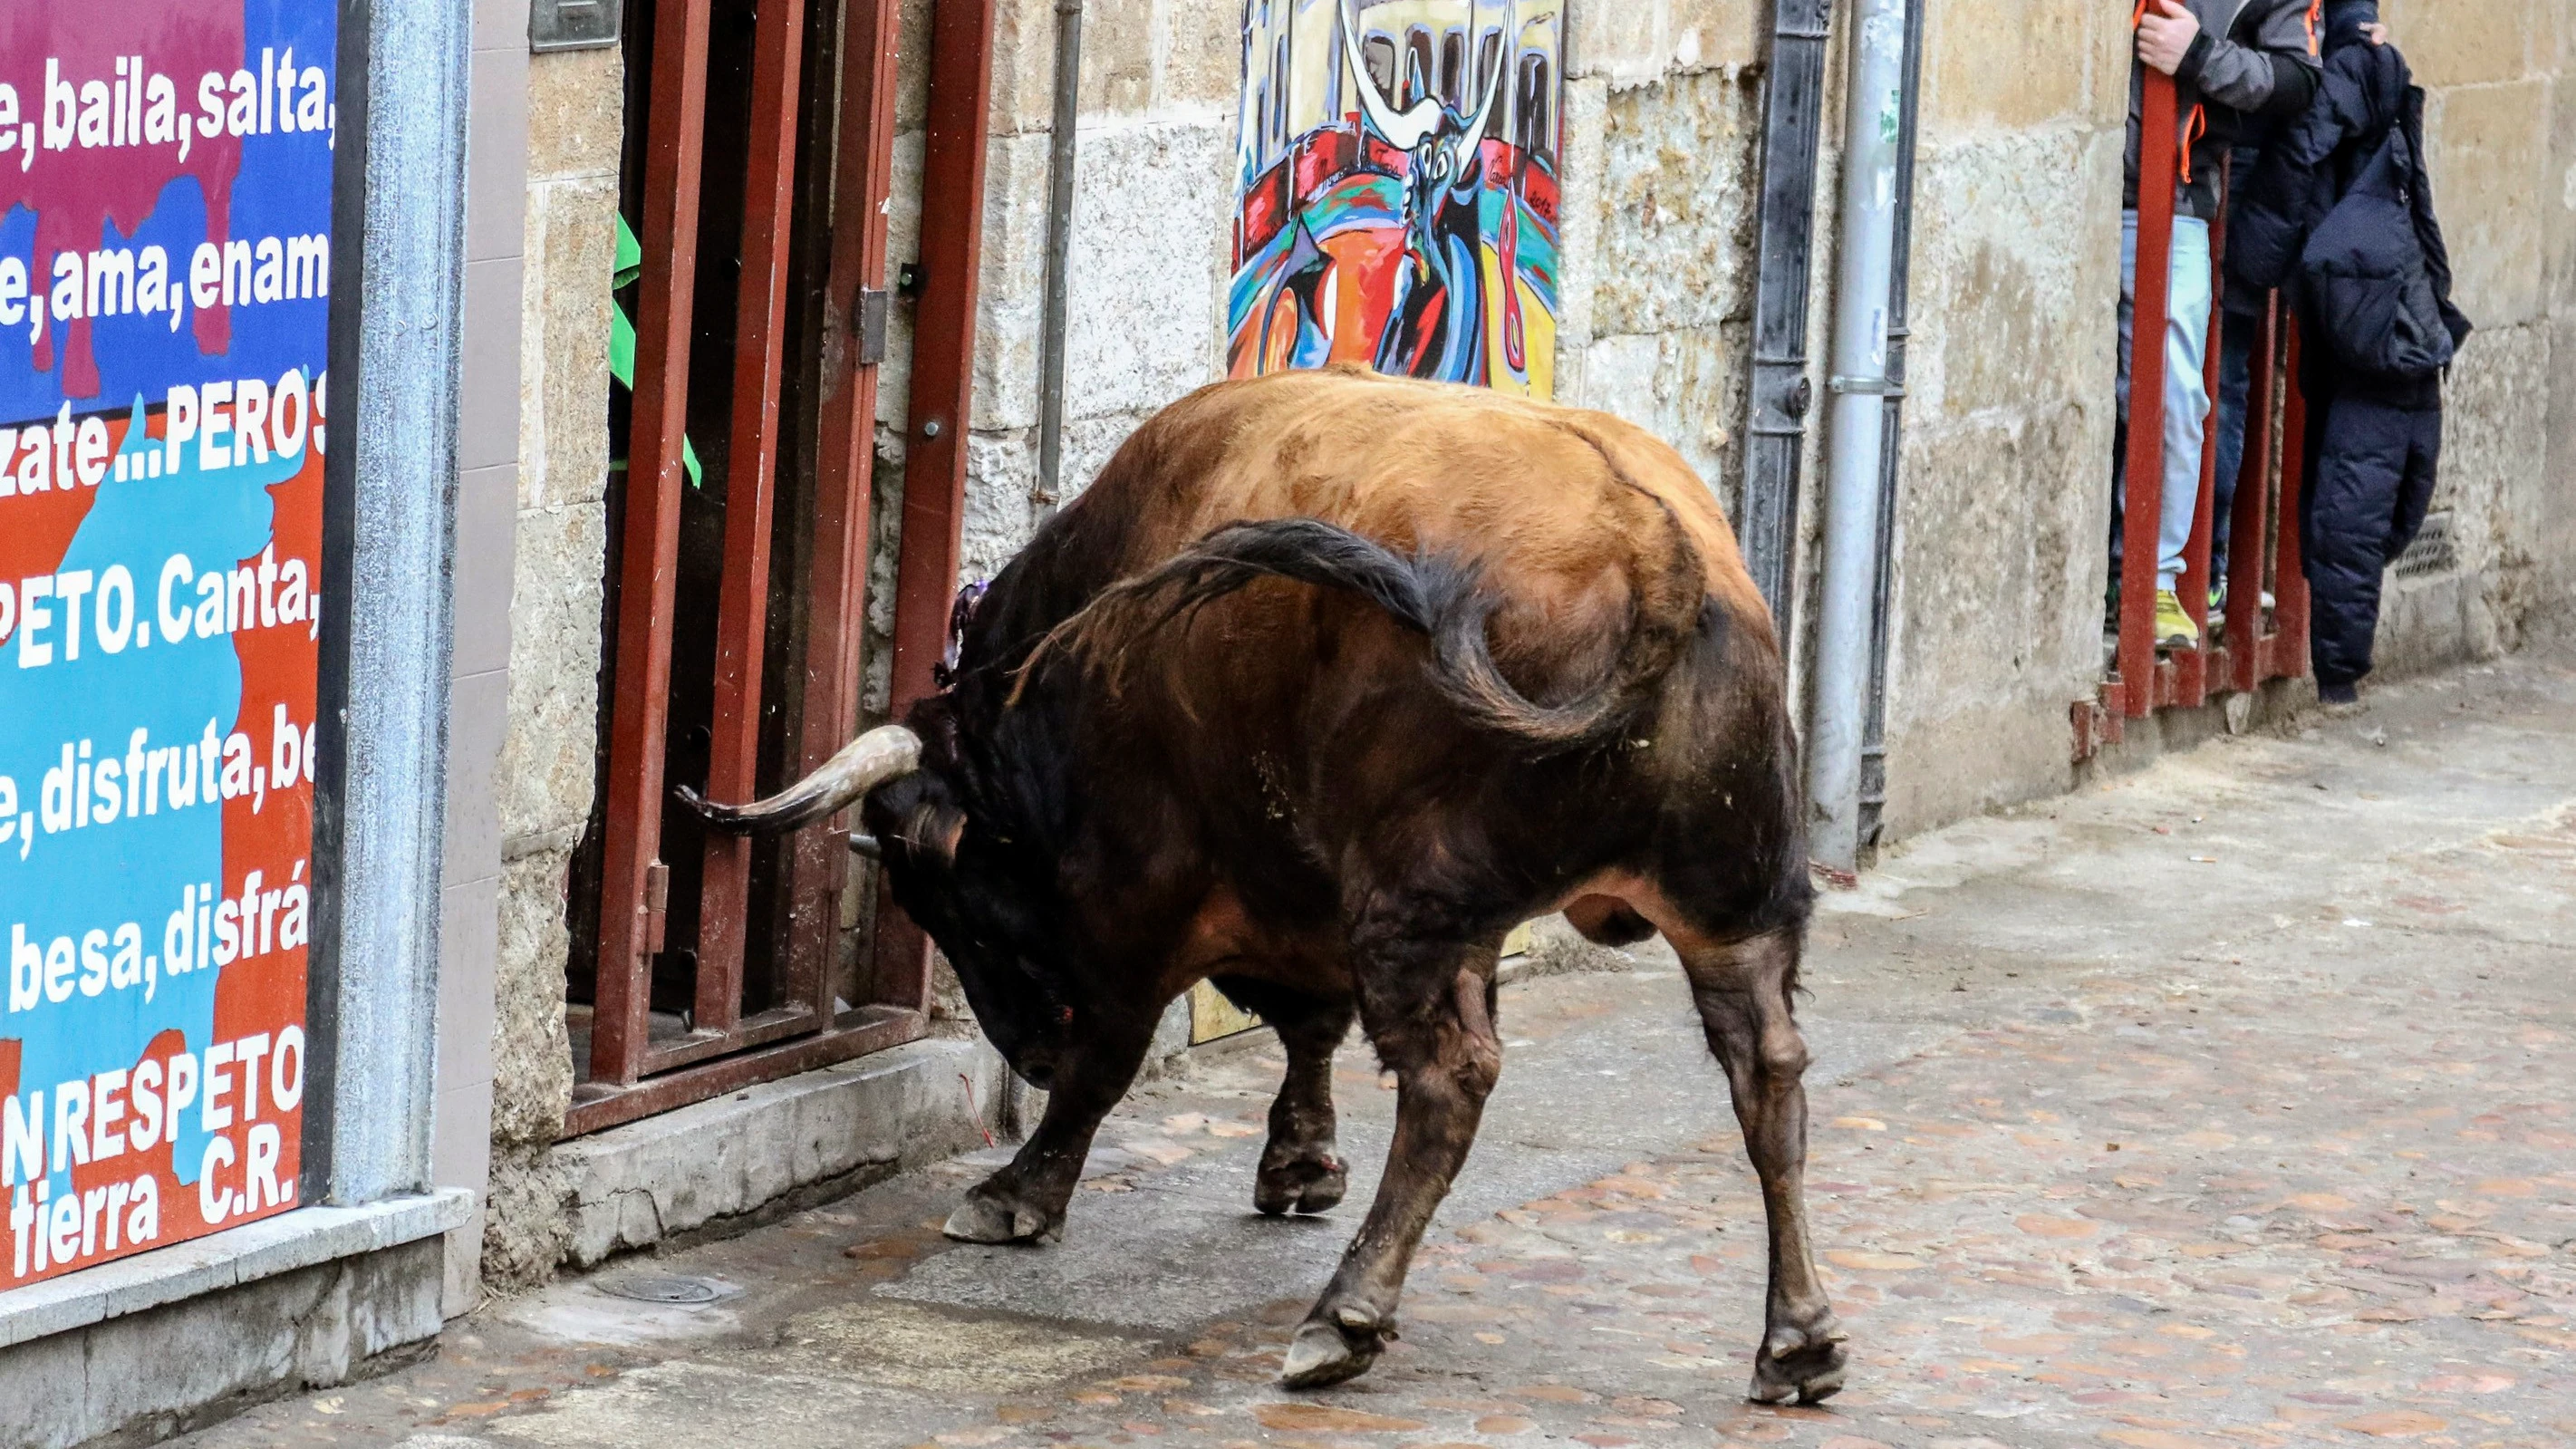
point(1329, 681)
point(1398, 189)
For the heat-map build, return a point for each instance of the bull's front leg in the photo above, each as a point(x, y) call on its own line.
point(1742, 990)
point(1299, 1168)
point(1429, 1011)
point(1025, 1201)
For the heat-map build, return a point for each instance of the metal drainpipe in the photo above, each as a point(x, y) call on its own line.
point(1792, 117)
point(1873, 750)
point(1062, 145)
point(1856, 428)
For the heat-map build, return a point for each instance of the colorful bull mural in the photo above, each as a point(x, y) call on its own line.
point(1398, 183)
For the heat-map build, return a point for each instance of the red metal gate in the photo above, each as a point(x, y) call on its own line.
point(641, 1061)
point(2253, 644)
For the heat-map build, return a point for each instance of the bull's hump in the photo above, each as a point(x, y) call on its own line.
point(1513, 485)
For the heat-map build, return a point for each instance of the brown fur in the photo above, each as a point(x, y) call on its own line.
point(1587, 521)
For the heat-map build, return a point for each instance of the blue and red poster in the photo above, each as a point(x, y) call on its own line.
point(165, 245)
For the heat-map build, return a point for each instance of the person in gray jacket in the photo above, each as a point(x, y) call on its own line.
point(2231, 60)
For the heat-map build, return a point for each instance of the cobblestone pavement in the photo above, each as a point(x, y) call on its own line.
point(2232, 1103)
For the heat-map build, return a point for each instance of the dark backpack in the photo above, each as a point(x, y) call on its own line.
point(2375, 287)
point(2363, 270)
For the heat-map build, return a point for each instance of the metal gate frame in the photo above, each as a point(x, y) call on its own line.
point(2146, 679)
point(630, 1076)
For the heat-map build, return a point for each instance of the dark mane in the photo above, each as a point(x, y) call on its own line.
point(1007, 761)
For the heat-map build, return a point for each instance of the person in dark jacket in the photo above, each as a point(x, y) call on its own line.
point(2241, 307)
point(2340, 215)
point(2232, 61)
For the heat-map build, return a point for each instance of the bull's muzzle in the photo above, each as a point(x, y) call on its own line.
point(865, 763)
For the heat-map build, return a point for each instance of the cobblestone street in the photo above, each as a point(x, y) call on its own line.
point(2228, 1103)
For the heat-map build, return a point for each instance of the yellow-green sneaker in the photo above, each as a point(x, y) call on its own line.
point(2174, 628)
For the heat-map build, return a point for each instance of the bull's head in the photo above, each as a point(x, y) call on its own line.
point(973, 893)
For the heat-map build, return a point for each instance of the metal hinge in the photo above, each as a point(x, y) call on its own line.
point(657, 906)
point(869, 320)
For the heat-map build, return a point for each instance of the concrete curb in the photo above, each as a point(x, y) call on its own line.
point(716, 1163)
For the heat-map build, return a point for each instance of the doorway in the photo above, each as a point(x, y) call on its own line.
point(756, 172)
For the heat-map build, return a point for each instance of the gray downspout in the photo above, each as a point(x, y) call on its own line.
point(1857, 428)
point(1873, 750)
point(1792, 118)
point(1061, 149)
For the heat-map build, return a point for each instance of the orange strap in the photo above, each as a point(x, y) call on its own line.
point(2316, 11)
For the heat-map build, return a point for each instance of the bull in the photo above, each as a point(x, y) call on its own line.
point(1325, 684)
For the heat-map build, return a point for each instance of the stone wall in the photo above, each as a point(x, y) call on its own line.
point(1149, 254)
point(575, 120)
point(2005, 497)
point(1663, 135)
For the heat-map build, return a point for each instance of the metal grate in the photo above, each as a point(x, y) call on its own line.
point(2433, 553)
point(717, 960)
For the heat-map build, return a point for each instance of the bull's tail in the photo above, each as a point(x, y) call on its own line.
point(1435, 596)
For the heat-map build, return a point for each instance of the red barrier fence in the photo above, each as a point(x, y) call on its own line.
point(2253, 643)
point(826, 168)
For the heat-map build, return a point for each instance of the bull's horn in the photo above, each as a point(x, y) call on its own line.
point(865, 763)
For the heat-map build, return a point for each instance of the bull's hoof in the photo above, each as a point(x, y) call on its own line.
point(1312, 1183)
point(989, 1219)
point(1804, 1364)
point(1326, 1351)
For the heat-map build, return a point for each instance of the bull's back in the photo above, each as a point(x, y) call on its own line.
point(1569, 514)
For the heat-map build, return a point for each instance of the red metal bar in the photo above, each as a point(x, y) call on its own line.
point(2245, 641)
point(649, 576)
point(2142, 506)
point(943, 383)
point(776, 1024)
point(943, 388)
point(2192, 667)
point(2289, 569)
point(742, 611)
point(863, 177)
point(597, 1105)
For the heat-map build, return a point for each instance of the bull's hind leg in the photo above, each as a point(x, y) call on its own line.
point(1025, 1201)
point(1299, 1168)
point(1429, 1012)
point(1742, 990)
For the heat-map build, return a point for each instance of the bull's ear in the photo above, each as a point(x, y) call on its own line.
point(934, 831)
point(916, 820)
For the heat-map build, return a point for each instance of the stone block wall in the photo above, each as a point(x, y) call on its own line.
point(1153, 188)
point(1663, 114)
point(575, 128)
point(2004, 509)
